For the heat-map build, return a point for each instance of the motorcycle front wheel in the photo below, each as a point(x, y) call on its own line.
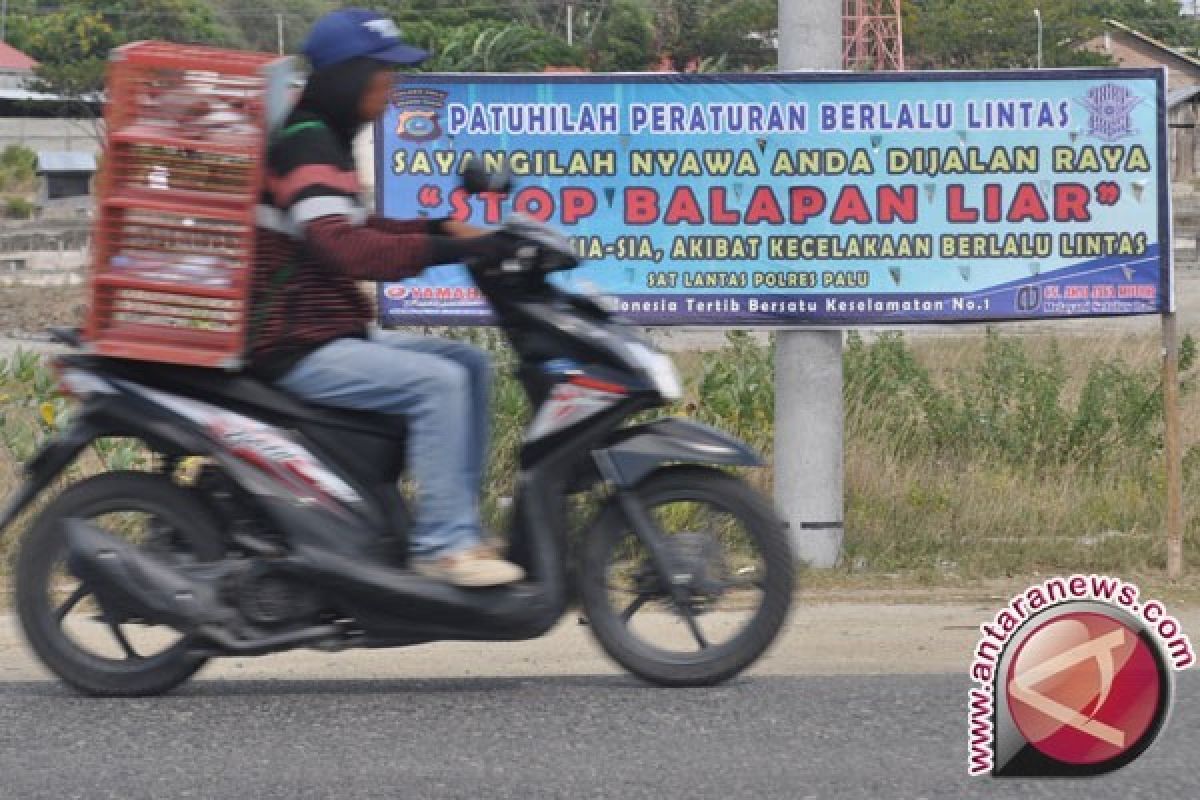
point(734, 553)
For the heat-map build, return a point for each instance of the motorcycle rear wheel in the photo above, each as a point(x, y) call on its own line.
point(717, 555)
point(60, 618)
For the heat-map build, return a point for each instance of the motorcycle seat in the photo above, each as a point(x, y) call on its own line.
point(241, 391)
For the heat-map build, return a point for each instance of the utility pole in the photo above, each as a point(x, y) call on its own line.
point(808, 363)
point(1037, 12)
point(279, 30)
point(570, 24)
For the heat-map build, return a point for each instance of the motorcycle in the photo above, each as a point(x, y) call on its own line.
point(292, 531)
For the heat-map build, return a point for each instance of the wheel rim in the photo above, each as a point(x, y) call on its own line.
point(69, 609)
point(726, 594)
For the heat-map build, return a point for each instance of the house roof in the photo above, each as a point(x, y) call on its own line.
point(1182, 95)
point(1155, 43)
point(13, 59)
point(24, 95)
point(65, 161)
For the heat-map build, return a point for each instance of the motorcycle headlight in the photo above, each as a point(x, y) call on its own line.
point(660, 368)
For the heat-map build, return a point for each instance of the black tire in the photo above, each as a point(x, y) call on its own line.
point(714, 664)
point(44, 546)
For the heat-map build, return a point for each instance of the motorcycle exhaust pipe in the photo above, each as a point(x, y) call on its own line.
point(129, 583)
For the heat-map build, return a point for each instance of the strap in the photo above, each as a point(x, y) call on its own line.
point(297, 127)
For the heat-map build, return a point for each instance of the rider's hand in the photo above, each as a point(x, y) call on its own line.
point(515, 253)
point(456, 229)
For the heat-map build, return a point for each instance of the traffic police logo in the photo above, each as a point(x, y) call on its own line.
point(419, 108)
point(1111, 108)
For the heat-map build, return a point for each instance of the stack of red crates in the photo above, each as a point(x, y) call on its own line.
point(173, 246)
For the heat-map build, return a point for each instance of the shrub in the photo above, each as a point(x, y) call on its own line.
point(18, 208)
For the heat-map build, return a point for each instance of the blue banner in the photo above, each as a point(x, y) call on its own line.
point(802, 199)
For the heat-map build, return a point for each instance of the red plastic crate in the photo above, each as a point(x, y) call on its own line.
point(173, 245)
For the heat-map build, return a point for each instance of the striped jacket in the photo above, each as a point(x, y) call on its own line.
point(315, 241)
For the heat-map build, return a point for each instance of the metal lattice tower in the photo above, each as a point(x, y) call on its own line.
point(872, 37)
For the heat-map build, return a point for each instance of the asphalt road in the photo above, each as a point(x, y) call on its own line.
point(562, 736)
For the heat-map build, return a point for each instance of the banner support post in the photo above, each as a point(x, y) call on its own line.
point(809, 413)
point(1172, 446)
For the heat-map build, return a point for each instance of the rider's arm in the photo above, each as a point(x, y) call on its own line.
point(368, 254)
point(443, 226)
point(376, 222)
point(312, 181)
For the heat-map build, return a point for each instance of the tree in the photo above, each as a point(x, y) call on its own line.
point(65, 36)
point(621, 40)
point(72, 46)
point(489, 47)
point(189, 21)
point(1158, 18)
point(72, 40)
point(1001, 34)
point(740, 30)
point(997, 34)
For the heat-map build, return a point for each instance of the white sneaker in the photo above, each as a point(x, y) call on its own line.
point(474, 568)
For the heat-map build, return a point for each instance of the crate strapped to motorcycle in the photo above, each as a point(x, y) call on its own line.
point(173, 250)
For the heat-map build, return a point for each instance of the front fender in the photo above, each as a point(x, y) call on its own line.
point(630, 454)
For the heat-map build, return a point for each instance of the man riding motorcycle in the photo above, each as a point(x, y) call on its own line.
point(310, 322)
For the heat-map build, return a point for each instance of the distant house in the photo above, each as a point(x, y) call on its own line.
point(34, 119)
point(65, 183)
point(15, 67)
point(1131, 48)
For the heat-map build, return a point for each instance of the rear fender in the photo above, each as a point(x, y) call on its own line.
point(108, 413)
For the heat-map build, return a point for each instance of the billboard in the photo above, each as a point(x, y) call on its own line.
point(802, 198)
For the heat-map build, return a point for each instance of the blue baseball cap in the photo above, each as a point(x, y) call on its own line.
point(357, 33)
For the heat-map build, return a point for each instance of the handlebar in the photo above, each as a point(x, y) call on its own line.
point(536, 247)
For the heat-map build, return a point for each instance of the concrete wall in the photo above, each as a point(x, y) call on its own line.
point(1183, 140)
point(37, 133)
point(44, 253)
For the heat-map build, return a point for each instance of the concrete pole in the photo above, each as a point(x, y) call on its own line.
point(808, 364)
point(1037, 12)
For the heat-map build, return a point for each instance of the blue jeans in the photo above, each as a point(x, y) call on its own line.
point(443, 389)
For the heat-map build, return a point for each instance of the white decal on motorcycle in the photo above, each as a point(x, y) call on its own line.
point(260, 444)
point(567, 405)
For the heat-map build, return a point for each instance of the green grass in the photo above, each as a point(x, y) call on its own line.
point(967, 458)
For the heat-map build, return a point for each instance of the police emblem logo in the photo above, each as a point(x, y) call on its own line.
point(418, 109)
point(1111, 111)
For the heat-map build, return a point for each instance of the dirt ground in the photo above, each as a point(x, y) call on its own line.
point(25, 310)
